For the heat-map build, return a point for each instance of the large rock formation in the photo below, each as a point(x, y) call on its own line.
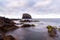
point(26, 16)
point(6, 24)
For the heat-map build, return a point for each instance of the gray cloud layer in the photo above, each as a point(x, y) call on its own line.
point(9, 8)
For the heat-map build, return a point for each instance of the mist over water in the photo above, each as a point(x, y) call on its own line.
point(39, 32)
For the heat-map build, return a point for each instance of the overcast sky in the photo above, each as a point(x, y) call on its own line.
point(36, 8)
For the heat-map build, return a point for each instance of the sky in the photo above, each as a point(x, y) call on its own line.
point(36, 8)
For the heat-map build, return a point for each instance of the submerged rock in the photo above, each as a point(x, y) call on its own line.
point(28, 25)
point(26, 16)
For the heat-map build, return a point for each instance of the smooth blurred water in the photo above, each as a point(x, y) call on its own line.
point(39, 32)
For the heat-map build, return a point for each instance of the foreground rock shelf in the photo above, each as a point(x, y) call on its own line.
point(6, 24)
point(8, 37)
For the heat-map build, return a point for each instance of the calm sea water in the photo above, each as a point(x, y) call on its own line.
point(39, 32)
point(56, 20)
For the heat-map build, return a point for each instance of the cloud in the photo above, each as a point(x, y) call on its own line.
point(9, 8)
point(42, 3)
point(52, 7)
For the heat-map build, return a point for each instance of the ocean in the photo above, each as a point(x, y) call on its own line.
point(39, 32)
point(56, 20)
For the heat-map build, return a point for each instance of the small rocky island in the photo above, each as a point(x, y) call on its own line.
point(26, 16)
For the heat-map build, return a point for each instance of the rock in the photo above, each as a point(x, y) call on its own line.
point(28, 25)
point(52, 31)
point(9, 37)
point(32, 25)
point(1, 37)
point(25, 20)
point(6, 24)
point(26, 16)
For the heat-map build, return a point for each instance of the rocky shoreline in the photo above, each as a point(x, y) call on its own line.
point(6, 24)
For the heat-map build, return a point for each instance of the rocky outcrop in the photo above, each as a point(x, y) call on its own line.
point(6, 24)
point(8, 37)
point(25, 20)
point(52, 31)
point(1, 37)
point(26, 16)
point(28, 25)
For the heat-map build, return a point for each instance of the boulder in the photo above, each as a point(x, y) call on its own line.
point(26, 16)
point(52, 31)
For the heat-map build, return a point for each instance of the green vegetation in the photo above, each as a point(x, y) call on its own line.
point(52, 31)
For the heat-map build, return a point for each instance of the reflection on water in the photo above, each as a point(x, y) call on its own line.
point(32, 33)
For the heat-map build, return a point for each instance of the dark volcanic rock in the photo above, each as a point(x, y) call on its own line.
point(9, 37)
point(1, 37)
point(6, 24)
point(25, 20)
point(26, 16)
point(28, 25)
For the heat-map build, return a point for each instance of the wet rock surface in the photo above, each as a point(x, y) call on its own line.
point(28, 25)
point(6, 24)
point(39, 32)
point(25, 20)
point(30, 33)
point(1, 37)
point(9, 37)
point(52, 31)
